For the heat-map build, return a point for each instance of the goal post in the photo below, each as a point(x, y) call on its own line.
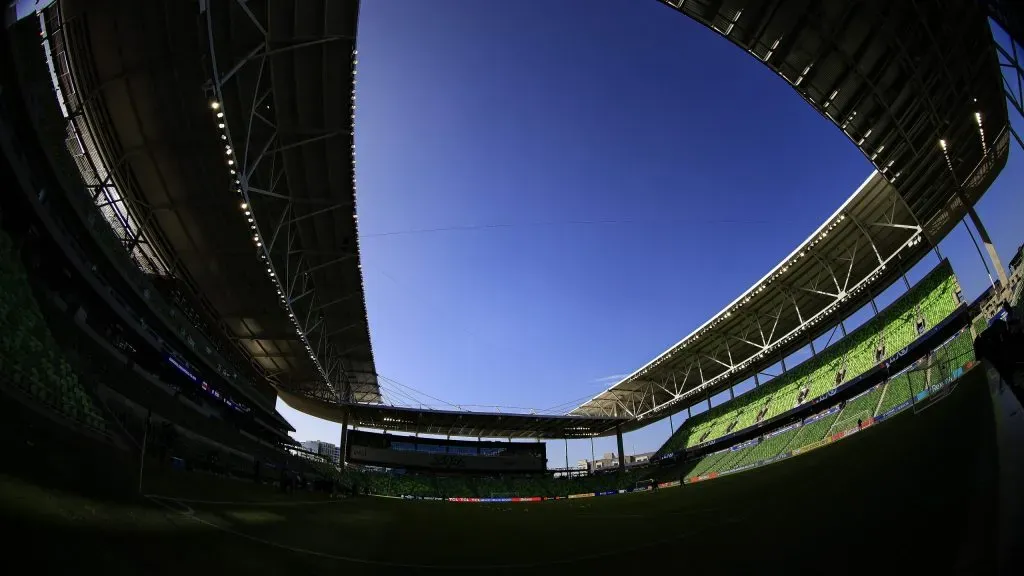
point(849, 422)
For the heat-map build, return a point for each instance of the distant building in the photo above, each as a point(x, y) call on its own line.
point(639, 458)
point(329, 451)
point(610, 460)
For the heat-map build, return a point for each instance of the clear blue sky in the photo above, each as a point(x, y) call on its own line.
point(546, 117)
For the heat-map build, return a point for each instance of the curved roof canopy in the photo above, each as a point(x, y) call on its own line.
point(916, 87)
point(230, 129)
point(231, 132)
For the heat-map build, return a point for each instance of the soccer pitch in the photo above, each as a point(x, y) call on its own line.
point(919, 491)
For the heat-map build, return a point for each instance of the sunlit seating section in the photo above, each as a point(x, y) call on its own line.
point(768, 448)
point(812, 432)
point(927, 304)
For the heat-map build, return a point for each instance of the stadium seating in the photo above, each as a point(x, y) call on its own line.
point(958, 351)
point(862, 406)
point(870, 403)
point(731, 458)
point(768, 448)
point(812, 432)
point(935, 368)
point(29, 356)
point(979, 324)
point(705, 464)
point(900, 389)
point(931, 300)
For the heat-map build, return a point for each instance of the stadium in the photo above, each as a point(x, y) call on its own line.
point(181, 253)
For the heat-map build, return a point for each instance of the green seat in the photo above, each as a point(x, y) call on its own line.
point(933, 299)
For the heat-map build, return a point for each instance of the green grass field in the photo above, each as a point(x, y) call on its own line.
point(916, 491)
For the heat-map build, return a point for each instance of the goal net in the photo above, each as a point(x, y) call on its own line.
point(850, 422)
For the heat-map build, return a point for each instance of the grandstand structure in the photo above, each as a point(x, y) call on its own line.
point(206, 152)
point(930, 117)
point(928, 377)
point(923, 309)
point(229, 135)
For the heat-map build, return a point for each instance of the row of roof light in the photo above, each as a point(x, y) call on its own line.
point(396, 421)
point(247, 211)
point(981, 134)
point(263, 251)
point(942, 144)
point(884, 170)
point(746, 299)
point(915, 240)
point(355, 216)
point(843, 125)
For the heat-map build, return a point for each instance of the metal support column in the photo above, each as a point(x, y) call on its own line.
point(842, 326)
point(871, 299)
point(618, 439)
point(343, 448)
point(593, 459)
point(982, 232)
point(990, 247)
point(671, 425)
point(982, 257)
point(567, 455)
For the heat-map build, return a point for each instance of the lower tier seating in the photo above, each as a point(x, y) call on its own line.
point(862, 406)
point(30, 359)
point(810, 433)
point(925, 305)
point(768, 448)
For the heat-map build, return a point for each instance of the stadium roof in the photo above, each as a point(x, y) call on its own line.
point(897, 78)
point(251, 203)
point(915, 86)
point(455, 422)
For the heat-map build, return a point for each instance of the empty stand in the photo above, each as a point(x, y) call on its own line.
point(926, 305)
point(29, 356)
